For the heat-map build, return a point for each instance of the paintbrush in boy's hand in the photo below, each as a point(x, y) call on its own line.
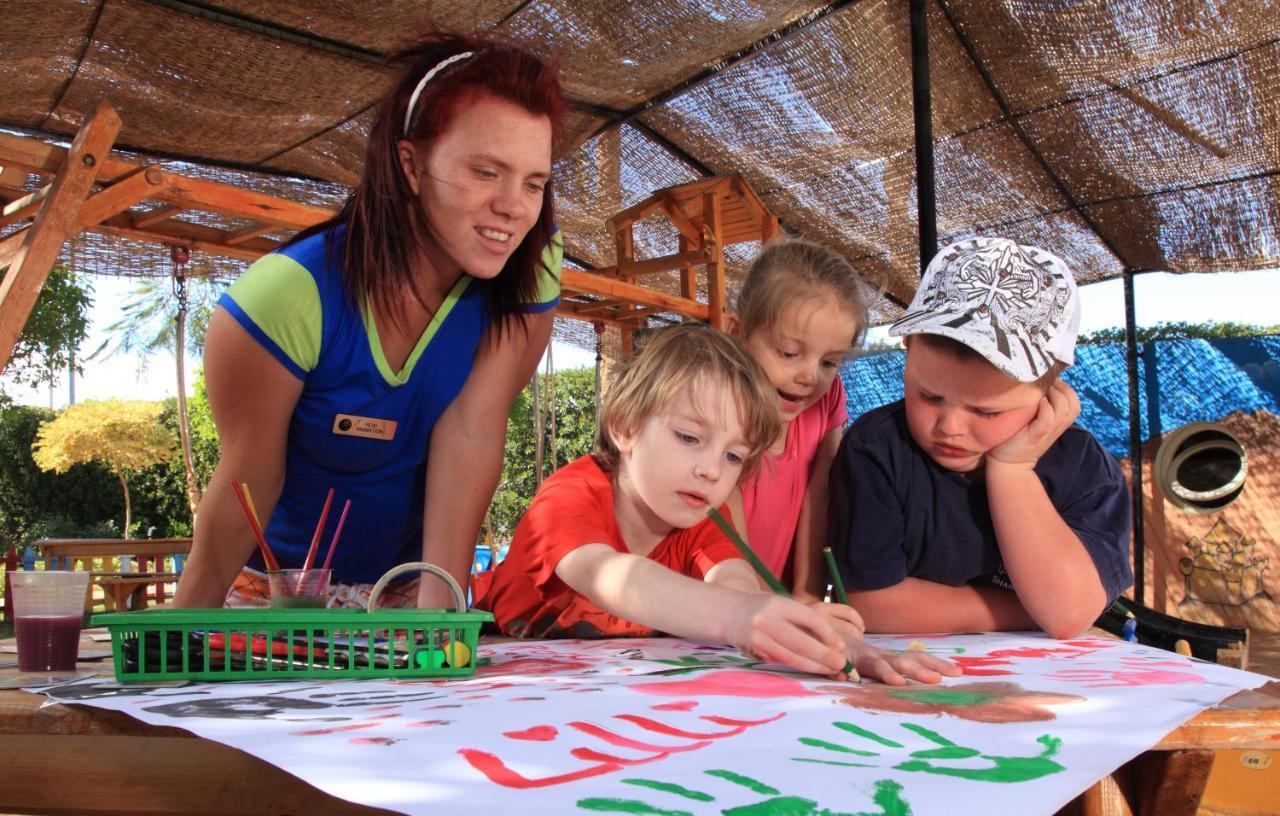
point(752, 559)
point(765, 575)
point(836, 583)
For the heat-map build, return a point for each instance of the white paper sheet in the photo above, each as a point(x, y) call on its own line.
point(667, 726)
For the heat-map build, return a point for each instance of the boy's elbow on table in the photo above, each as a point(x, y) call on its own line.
point(1067, 622)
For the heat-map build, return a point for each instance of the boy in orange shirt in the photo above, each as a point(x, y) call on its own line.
point(619, 543)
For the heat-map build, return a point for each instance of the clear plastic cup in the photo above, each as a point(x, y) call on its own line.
point(48, 607)
point(297, 588)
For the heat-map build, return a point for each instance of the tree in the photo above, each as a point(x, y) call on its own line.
point(35, 503)
point(122, 434)
point(575, 413)
point(173, 317)
point(57, 325)
point(1179, 331)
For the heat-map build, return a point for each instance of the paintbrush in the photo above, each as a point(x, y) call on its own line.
point(315, 537)
point(246, 504)
point(333, 544)
point(765, 575)
point(836, 583)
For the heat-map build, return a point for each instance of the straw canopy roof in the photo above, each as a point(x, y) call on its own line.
point(1119, 134)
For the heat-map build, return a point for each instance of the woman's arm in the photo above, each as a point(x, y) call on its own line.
point(810, 572)
point(465, 460)
point(252, 397)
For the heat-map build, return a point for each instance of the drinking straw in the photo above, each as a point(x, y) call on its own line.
point(246, 504)
point(751, 557)
point(315, 537)
point(836, 583)
point(333, 545)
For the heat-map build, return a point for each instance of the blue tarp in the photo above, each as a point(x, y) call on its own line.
point(1180, 381)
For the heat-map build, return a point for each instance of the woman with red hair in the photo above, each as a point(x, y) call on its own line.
point(378, 354)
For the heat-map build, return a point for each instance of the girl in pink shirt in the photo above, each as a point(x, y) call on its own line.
point(800, 311)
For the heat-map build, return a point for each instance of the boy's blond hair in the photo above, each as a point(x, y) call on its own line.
point(791, 271)
point(673, 358)
point(961, 352)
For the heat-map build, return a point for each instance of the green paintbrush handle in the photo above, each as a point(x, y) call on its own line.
point(751, 557)
point(835, 576)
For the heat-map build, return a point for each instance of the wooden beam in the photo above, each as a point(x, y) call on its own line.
point(678, 217)
point(715, 264)
point(120, 196)
point(768, 227)
point(634, 213)
point(35, 156)
point(192, 236)
point(12, 178)
point(197, 194)
point(10, 245)
point(25, 207)
point(240, 236)
point(689, 275)
point(56, 220)
point(666, 263)
point(156, 216)
point(190, 193)
point(567, 311)
point(597, 306)
point(588, 283)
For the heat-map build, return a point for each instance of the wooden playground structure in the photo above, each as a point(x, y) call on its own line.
point(86, 188)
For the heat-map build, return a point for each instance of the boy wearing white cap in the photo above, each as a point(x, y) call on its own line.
point(975, 503)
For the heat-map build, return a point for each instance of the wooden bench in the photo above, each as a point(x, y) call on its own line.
point(123, 589)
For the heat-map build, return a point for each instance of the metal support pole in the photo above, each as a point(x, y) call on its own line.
point(1135, 439)
point(922, 108)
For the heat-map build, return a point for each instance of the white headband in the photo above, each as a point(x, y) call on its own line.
point(422, 83)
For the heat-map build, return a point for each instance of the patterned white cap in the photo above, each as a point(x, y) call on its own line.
point(1015, 305)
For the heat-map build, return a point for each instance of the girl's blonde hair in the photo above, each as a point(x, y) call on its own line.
point(792, 271)
point(688, 354)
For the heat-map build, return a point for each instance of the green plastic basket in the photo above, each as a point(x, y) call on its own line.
point(295, 643)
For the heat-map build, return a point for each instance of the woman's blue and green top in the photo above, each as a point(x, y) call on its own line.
point(359, 427)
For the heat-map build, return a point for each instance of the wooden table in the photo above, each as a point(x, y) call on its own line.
point(128, 590)
point(125, 590)
point(65, 759)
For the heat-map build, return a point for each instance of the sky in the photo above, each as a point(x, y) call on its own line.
point(1242, 297)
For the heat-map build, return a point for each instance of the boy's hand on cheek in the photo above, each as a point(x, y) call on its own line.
point(1058, 409)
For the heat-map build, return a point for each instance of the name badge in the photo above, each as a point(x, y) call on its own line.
point(367, 427)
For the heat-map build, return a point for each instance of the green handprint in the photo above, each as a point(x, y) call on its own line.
point(887, 797)
point(1003, 769)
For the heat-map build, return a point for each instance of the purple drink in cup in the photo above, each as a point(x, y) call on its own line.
point(47, 642)
point(47, 611)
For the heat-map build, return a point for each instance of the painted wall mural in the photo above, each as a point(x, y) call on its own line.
point(666, 726)
point(1221, 567)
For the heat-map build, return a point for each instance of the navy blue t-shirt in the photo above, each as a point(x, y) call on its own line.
point(895, 513)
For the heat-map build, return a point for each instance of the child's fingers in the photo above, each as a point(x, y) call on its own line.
point(1042, 424)
point(918, 670)
point(876, 666)
point(940, 665)
point(809, 638)
point(1065, 401)
point(798, 650)
point(844, 614)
